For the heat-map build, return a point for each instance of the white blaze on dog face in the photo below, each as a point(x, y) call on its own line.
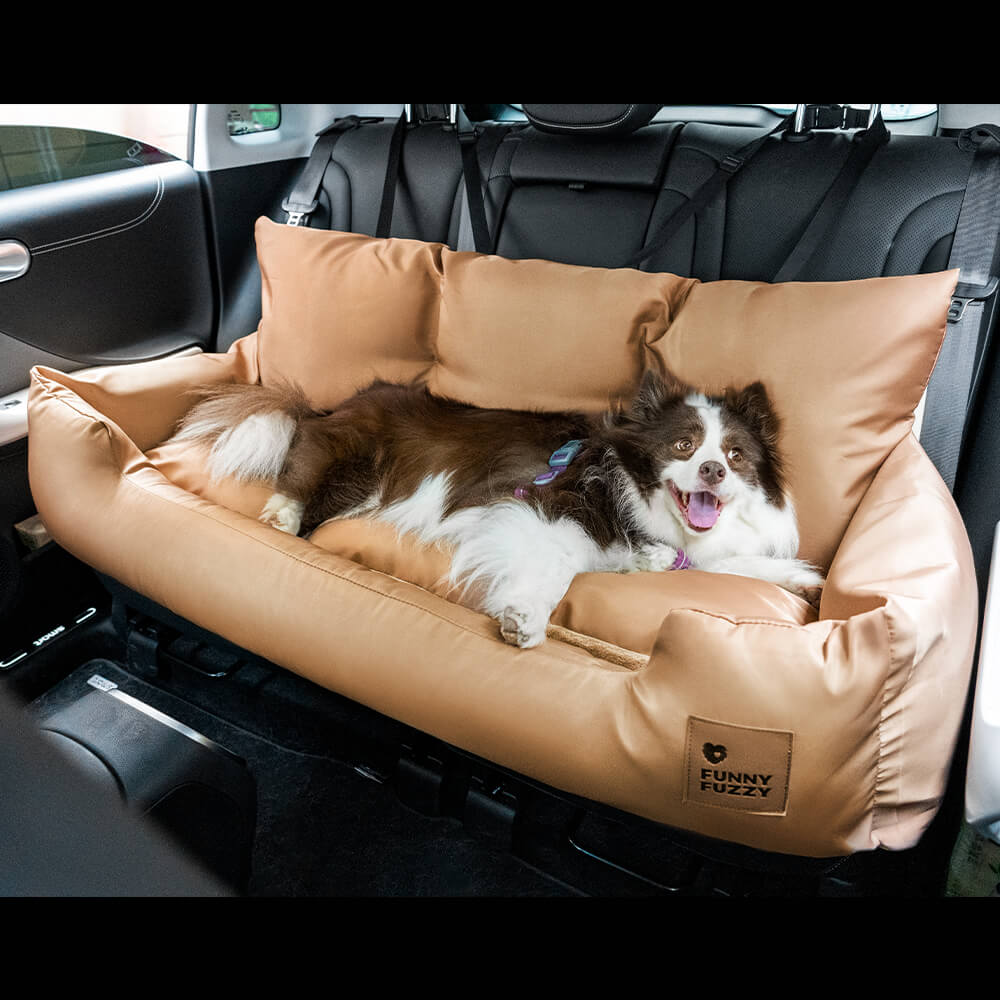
point(697, 477)
point(710, 453)
point(714, 470)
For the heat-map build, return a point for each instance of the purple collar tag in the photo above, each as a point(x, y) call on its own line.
point(682, 561)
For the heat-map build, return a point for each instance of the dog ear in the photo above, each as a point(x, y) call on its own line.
point(753, 405)
point(656, 390)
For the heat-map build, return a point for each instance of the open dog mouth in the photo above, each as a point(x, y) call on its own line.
point(701, 509)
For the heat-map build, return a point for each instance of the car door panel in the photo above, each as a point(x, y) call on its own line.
point(119, 270)
point(116, 267)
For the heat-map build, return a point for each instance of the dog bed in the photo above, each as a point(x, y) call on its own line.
point(715, 704)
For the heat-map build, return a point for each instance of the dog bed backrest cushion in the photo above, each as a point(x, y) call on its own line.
point(845, 363)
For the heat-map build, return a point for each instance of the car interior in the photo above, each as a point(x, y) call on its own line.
point(197, 704)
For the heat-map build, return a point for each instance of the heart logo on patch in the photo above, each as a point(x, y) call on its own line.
point(714, 752)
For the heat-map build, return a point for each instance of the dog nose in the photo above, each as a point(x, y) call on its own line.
point(712, 472)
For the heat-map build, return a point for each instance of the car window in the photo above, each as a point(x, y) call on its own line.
point(40, 154)
point(40, 143)
point(890, 112)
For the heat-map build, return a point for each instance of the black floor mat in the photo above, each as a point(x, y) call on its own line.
point(323, 829)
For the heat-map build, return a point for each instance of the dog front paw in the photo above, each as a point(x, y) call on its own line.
point(524, 627)
point(806, 583)
point(283, 513)
point(654, 558)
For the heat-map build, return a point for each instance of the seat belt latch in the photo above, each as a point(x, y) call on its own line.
point(966, 293)
point(297, 216)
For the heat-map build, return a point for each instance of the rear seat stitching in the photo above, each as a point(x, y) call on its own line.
point(600, 125)
point(948, 231)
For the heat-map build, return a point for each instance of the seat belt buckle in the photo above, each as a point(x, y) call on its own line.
point(966, 292)
point(298, 215)
point(731, 163)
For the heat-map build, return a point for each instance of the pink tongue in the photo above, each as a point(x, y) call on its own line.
point(702, 512)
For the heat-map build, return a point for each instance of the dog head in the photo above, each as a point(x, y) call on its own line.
point(698, 456)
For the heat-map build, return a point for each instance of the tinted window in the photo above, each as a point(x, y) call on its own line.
point(37, 154)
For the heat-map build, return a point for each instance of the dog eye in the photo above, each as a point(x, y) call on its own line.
point(735, 455)
point(683, 445)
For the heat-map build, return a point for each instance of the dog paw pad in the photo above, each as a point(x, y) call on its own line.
point(522, 628)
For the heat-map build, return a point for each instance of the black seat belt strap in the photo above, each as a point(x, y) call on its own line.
point(304, 197)
point(864, 145)
point(467, 140)
point(974, 251)
point(391, 177)
point(726, 170)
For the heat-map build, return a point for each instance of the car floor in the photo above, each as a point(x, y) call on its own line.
point(323, 828)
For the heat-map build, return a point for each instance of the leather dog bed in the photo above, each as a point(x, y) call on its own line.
point(715, 704)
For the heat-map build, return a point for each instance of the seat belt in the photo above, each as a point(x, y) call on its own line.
point(805, 118)
point(304, 198)
point(863, 148)
point(391, 177)
point(726, 170)
point(974, 251)
point(468, 144)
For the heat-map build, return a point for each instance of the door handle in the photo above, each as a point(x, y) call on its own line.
point(15, 259)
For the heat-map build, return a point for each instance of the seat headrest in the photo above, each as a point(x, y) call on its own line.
point(600, 120)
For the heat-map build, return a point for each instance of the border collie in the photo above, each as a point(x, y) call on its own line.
point(526, 500)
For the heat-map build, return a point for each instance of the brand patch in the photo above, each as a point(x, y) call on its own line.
point(738, 767)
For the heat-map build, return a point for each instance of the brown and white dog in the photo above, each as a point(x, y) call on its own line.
point(527, 500)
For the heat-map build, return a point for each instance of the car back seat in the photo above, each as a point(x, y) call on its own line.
point(584, 201)
point(598, 199)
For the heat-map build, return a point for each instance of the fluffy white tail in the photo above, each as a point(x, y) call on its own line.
point(249, 428)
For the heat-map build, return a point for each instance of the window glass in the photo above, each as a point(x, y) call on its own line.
point(38, 154)
point(246, 119)
point(50, 142)
point(164, 126)
point(890, 112)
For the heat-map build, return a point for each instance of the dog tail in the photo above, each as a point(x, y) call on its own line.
point(249, 428)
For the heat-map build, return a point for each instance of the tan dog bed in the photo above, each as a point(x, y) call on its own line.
point(715, 704)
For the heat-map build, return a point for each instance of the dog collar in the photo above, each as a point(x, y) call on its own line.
point(558, 461)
